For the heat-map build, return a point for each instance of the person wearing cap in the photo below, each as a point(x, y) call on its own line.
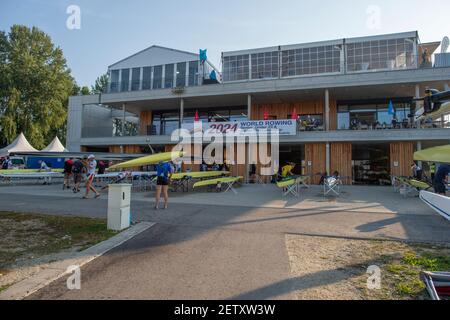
point(91, 166)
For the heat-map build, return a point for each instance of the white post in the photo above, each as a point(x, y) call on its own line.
point(327, 110)
point(181, 111)
point(419, 147)
point(327, 158)
point(247, 157)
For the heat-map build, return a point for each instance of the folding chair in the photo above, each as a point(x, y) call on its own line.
point(292, 189)
point(332, 185)
point(228, 186)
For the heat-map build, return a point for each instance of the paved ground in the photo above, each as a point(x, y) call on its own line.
point(219, 246)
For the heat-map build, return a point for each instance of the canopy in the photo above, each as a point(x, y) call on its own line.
point(20, 144)
point(55, 146)
point(437, 154)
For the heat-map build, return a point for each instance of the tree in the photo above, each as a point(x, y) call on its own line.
point(35, 84)
point(101, 84)
point(85, 91)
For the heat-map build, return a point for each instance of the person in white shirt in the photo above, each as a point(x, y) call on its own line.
point(91, 166)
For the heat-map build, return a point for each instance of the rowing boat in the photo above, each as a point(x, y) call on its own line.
point(148, 160)
point(290, 182)
point(216, 181)
point(199, 175)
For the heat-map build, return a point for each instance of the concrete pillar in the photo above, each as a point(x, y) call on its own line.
point(327, 110)
point(181, 111)
point(327, 159)
point(247, 149)
point(419, 147)
point(417, 95)
point(123, 119)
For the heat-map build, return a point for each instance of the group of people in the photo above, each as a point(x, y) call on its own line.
point(79, 169)
point(438, 174)
point(6, 163)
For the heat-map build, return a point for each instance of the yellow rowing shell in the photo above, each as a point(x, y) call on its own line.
point(290, 182)
point(148, 160)
point(216, 181)
point(199, 175)
point(439, 154)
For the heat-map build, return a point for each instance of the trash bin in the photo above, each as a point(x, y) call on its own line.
point(119, 206)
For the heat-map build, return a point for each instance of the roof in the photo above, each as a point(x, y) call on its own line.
point(20, 144)
point(151, 47)
point(55, 146)
point(410, 34)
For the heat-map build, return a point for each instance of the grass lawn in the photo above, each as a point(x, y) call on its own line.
point(25, 236)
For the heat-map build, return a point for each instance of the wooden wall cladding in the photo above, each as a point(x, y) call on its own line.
point(315, 154)
point(145, 119)
point(402, 154)
point(341, 160)
point(333, 115)
point(115, 149)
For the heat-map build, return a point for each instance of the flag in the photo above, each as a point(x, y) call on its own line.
point(391, 109)
point(294, 115)
point(202, 55)
point(196, 118)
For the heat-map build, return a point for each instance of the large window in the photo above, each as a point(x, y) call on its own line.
point(168, 76)
point(315, 60)
point(157, 77)
point(381, 55)
point(114, 84)
point(135, 78)
point(181, 74)
point(125, 80)
point(265, 65)
point(236, 68)
point(165, 122)
point(373, 116)
point(193, 73)
point(146, 78)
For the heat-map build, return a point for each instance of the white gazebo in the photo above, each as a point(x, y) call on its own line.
point(55, 146)
point(20, 144)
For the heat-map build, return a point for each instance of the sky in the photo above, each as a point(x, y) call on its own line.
point(111, 30)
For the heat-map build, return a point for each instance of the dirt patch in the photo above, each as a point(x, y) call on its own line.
point(29, 242)
point(336, 269)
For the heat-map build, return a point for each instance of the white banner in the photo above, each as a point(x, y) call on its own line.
point(284, 127)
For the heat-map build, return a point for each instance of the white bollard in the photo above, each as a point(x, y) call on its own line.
point(119, 196)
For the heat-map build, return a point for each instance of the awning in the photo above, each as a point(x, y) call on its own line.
point(439, 154)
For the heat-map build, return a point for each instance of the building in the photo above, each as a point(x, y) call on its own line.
point(340, 89)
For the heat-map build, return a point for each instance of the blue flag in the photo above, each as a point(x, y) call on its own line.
point(202, 55)
point(212, 75)
point(391, 109)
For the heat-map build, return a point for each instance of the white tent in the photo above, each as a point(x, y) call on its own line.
point(55, 146)
point(20, 144)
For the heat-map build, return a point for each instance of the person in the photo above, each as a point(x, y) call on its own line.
point(440, 179)
point(417, 171)
point(432, 170)
point(163, 172)
point(252, 173)
point(68, 164)
point(101, 170)
point(78, 169)
point(203, 167)
point(287, 170)
point(5, 164)
point(44, 166)
point(91, 167)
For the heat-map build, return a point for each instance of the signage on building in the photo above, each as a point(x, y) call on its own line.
point(284, 127)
